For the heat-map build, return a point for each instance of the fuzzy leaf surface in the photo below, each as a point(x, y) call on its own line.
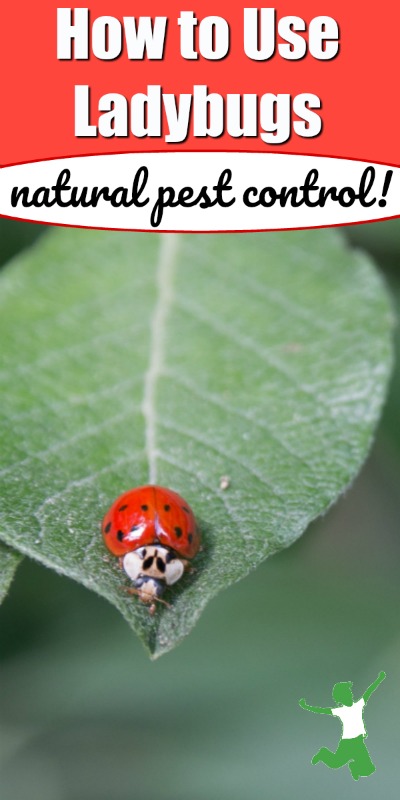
point(9, 560)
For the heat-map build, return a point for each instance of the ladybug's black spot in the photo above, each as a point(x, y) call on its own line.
point(120, 536)
point(123, 508)
point(135, 527)
point(167, 508)
point(160, 565)
point(107, 528)
point(148, 562)
point(144, 508)
point(190, 538)
point(186, 509)
point(178, 532)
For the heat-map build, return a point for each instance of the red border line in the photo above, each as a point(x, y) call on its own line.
point(240, 230)
point(183, 152)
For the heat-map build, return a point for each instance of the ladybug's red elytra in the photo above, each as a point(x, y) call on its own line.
point(153, 532)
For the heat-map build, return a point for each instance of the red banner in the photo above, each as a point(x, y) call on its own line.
point(283, 79)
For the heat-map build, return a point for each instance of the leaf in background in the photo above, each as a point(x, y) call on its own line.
point(14, 236)
point(9, 560)
point(390, 430)
point(381, 239)
point(130, 358)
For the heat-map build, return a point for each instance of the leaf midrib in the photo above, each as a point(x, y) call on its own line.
point(166, 269)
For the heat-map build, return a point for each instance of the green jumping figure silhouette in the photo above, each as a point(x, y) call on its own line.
point(351, 749)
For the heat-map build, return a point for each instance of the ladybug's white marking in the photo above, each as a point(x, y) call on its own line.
point(153, 562)
point(165, 278)
point(173, 571)
point(132, 564)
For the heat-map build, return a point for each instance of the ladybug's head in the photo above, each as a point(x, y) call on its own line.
point(149, 589)
point(154, 562)
point(151, 570)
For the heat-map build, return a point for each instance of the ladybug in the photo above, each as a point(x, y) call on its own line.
point(153, 532)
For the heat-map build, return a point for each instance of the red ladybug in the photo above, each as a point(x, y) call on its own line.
point(153, 531)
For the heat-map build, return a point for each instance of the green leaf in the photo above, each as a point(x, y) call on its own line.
point(9, 560)
point(14, 236)
point(130, 358)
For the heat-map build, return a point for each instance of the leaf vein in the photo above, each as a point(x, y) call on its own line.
point(165, 279)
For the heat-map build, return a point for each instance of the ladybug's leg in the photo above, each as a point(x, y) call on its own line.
point(121, 562)
point(129, 590)
point(188, 567)
point(152, 608)
point(158, 600)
